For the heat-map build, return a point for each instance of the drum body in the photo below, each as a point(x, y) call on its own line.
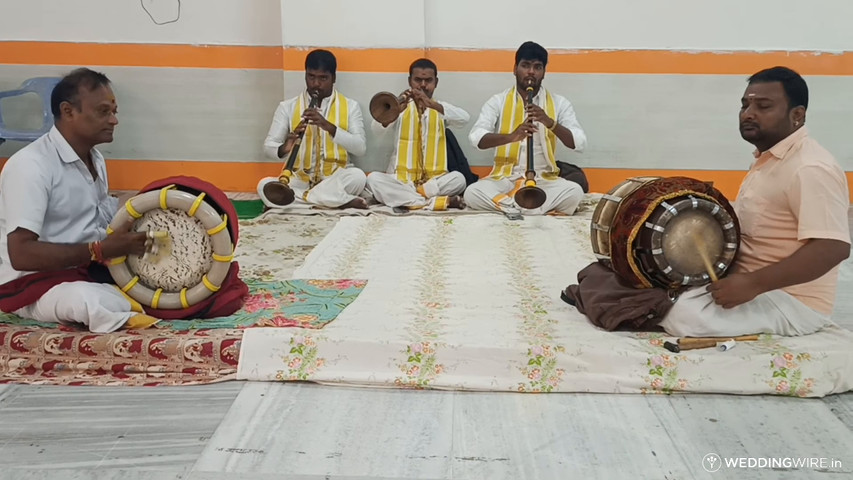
point(650, 230)
point(605, 213)
point(190, 262)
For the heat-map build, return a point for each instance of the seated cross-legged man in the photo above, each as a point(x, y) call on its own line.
point(332, 132)
point(417, 176)
point(793, 212)
point(506, 122)
point(55, 208)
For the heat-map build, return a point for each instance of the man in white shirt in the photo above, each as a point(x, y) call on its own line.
point(54, 211)
point(417, 175)
point(505, 123)
point(333, 131)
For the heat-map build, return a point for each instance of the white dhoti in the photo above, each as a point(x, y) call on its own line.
point(101, 307)
point(340, 188)
point(695, 314)
point(561, 196)
point(386, 189)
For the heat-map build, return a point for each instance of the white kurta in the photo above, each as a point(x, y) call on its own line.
point(45, 188)
point(344, 185)
point(562, 195)
point(388, 190)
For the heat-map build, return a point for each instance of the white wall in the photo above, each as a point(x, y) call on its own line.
point(822, 25)
point(353, 23)
point(202, 22)
point(634, 120)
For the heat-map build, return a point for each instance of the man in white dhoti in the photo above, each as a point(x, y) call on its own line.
point(54, 211)
point(333, 132)
point(505, 123)
point(792, 207)
point(417, 176)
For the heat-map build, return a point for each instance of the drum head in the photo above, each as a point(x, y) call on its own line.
point(678, 246)
point(679, 235)
point(179, 262)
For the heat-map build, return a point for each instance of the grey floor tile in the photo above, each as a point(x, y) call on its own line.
point(316, 430)
point(99, 427)
point(92, 474)
point(842, 406)
point(760, 427)
point(561, 436)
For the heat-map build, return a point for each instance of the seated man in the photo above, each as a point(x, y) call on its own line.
point(506, 121)
point(417, 175)
point(54, 212)
point(792, 207)
point(323, 173)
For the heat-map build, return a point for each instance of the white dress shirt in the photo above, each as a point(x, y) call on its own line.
point(454, 117)
point(487, 122)
point(353, 139)
point(46, 188)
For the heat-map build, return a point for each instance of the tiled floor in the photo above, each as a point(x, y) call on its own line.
point(240, 430)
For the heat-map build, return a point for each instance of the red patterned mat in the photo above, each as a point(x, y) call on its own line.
point(67, 356)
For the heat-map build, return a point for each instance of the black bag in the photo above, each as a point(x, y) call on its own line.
point(573, 173)
point(456, 161)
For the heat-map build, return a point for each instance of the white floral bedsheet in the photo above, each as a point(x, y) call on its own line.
point(472, 303)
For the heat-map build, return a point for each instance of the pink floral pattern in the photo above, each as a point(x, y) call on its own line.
point(663, 374)
point(787, 377)
point(537, 328)
point(422, 367)
point(302, 361)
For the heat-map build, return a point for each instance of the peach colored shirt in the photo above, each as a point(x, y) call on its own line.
point(794, 192)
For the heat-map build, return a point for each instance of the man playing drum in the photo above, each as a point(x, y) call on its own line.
point(55, 215)
point(55, 207)
point(323, 173)
point(417, 175)
point(792, 207)
point(505, 123)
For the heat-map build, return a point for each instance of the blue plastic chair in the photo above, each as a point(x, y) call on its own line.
point(41, 86)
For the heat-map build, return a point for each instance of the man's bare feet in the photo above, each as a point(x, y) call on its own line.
point(278, 193)
point(358, 203)
point(456, 201)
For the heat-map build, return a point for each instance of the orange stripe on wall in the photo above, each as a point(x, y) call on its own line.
point(398, 59)
point(244, 177)
point(140, 55)
point(585, 61)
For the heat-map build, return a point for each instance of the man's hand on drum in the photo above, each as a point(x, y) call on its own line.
point(124, 242)
point(733, 290)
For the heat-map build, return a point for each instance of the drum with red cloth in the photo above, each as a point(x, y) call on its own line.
point(664, 232)
point(193, 231)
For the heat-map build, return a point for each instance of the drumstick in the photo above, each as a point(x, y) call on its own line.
point(700, 246)
point(742, 338)
point(694, 343)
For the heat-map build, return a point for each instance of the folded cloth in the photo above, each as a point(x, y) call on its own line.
point(612, 304)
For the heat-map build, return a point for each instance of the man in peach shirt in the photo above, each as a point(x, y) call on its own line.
point(792, 208)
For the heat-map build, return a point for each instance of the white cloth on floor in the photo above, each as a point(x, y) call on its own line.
point(101, 307)
point(695, 314)
point(388, 190)
point(561, 196)
point(343, 186)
